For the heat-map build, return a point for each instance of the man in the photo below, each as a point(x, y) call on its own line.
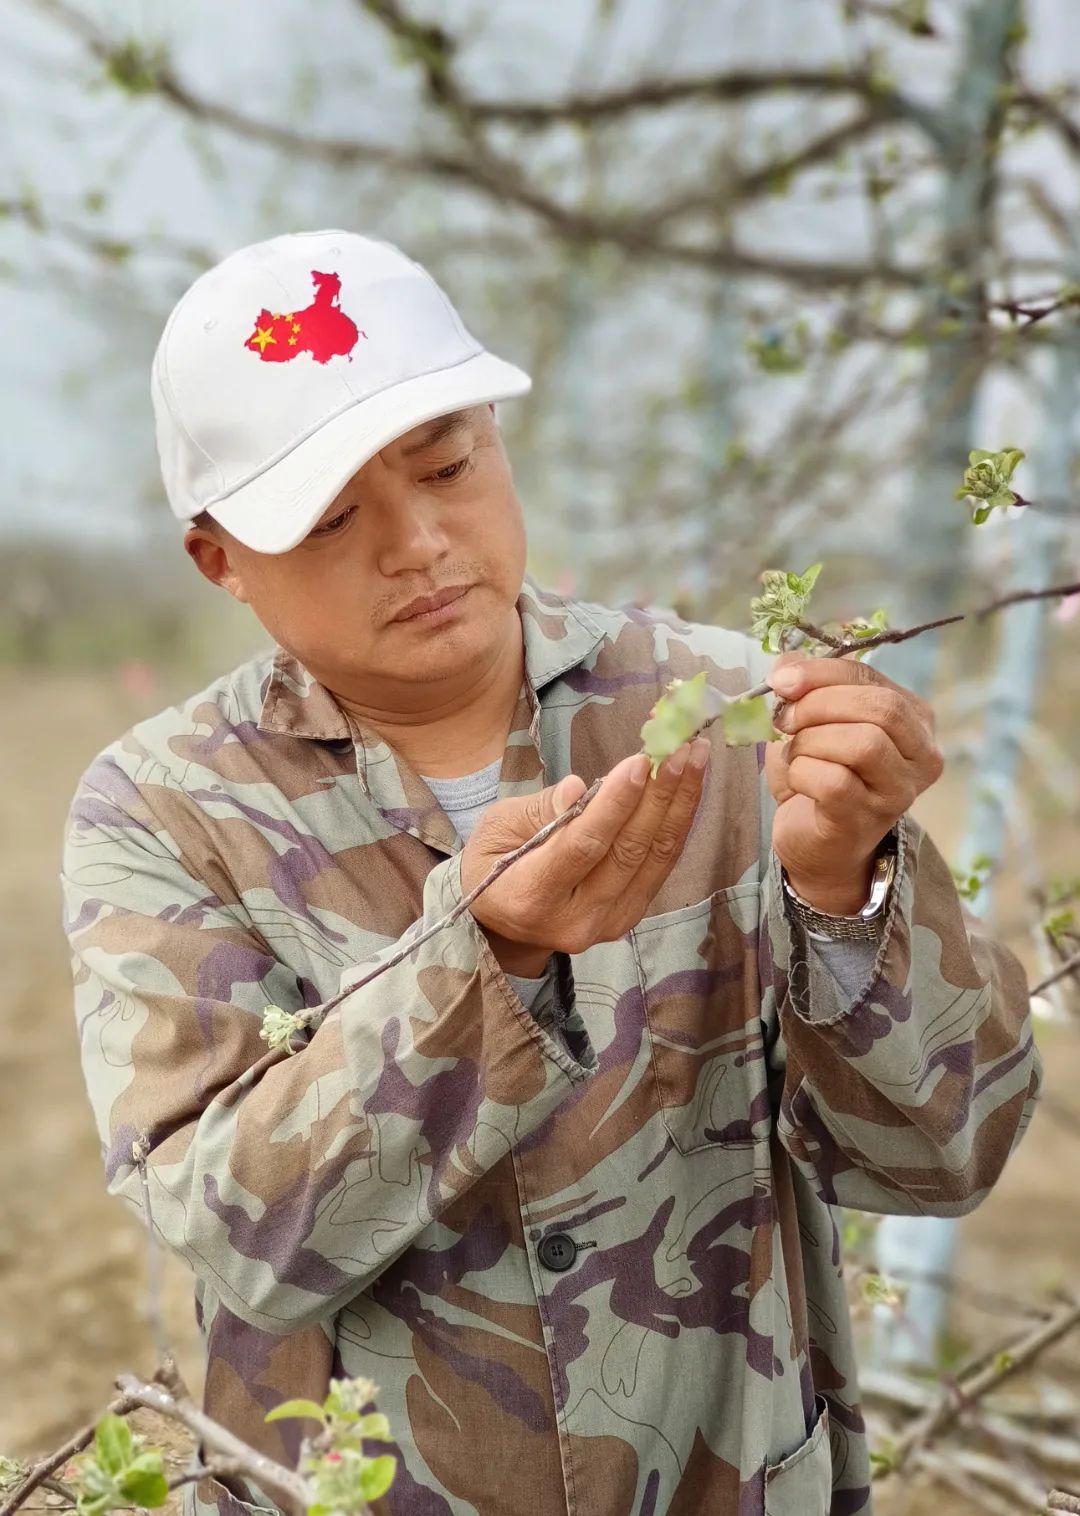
point(559, 1180)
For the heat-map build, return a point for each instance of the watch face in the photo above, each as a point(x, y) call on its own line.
point(884, 869)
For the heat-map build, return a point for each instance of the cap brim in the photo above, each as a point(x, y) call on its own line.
point(276, 510)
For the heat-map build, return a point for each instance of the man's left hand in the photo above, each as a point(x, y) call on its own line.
point(861, 749)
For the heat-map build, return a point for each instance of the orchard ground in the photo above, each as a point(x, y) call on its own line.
point(72, 1261)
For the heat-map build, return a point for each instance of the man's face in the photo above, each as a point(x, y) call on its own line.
point(434, 509)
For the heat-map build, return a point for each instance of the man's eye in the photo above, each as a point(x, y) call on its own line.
point(451, 471)
point(335, 523)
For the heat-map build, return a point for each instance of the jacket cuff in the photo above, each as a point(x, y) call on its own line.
point(555, 1013)
point(814, 992)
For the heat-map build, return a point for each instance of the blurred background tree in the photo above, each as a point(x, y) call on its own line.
point(756, 256)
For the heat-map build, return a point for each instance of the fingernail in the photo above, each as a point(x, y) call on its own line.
point(677, 761)
point(786, 680)
point(699, 753)
point(639, 770)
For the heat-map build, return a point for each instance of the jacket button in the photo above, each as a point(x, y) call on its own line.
point(557, 1252)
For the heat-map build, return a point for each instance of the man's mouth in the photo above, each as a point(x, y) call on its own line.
point(425, 604)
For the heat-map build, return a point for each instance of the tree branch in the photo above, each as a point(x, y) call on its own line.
point(434, 50)
point(1070, 966)
point(282, 1483)
point(983, 1479)
point(725, 88)
point(839, 647)
point(856, 644)
point(495, 177)
point(1001, 1368)
point(1030, 314)
point(167, 83)
point(116, 250)
point(40, 1472)
point(1052, 114)
point(58, 1487)
point(769, 177)
point(168, 1395)
point(1056, 592)
point(840, 644)
point(465, 902)
point(837, 650)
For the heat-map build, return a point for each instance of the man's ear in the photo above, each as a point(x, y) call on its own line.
point(208, 548)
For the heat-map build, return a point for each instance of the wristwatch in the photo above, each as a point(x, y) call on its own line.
point(869, 923)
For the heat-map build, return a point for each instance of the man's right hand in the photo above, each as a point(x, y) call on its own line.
point(593, 878)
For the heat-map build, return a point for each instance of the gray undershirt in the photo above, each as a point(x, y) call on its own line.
point(465, 799)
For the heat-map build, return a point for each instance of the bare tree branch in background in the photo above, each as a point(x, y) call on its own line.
point(26, 208)
point(506, 182)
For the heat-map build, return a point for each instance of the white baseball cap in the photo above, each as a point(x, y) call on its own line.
point(290, 363)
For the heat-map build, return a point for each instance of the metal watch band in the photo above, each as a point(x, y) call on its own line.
point(865, 926)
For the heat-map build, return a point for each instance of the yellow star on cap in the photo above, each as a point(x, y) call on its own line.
point(292, 341)
point(296, 326)
point(263, 336)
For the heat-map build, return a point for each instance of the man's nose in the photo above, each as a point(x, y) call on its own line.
point(413, 528)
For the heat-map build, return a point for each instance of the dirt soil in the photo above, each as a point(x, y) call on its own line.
point(72, 1261)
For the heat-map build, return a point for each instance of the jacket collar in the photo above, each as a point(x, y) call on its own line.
point(558, 633)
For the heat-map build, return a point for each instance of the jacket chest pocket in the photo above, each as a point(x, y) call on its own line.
point(699, 980)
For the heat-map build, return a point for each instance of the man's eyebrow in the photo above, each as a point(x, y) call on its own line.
point(441, 428)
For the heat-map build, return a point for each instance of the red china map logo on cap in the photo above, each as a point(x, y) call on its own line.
point(322, 329)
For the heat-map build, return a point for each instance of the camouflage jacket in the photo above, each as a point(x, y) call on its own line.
point(599, 1273)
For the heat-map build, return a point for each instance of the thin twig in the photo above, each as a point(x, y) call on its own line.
point(1055, 592)
point(991, 1302)
point(941, 1468)
point(1053, 114)
point(111, 250)
point(723, 88)
point(1030, 312)
point(168, 1395)
point(1051, 1449)
point(862, 644)
point(40, 1472)
point(466, 901)
point(855, 645)
point(820, 635)
point(434, 49)
point(973, 1388)
point(214, 1468)
point(499, 179)
point(58, 1487)
point(984, 1479)
point(896, 15)
point(1068, 967)
point(284, 1484)
point(838, 648)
